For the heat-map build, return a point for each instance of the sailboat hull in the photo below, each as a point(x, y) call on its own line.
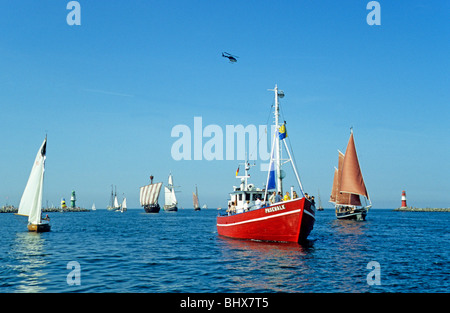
point(152, 208)
point(39, 228)
point(358, 214)
point(171, 208)
point(290, 221)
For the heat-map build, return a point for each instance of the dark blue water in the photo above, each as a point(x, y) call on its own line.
point(181, 252)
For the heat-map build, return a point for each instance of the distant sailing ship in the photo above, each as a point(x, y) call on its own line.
point(348, 186)
point(285, 221)
point(320, 207)
point(195, 199)
point(149, 195)
point(31, 201)
point(170, 203)
point(114, 204)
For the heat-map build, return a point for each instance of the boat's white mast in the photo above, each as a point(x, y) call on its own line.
point(277, 143)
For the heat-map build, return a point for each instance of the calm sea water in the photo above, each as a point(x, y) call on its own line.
point(181, 252)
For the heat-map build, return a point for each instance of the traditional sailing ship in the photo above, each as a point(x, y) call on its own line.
point(31, 201)
point(195, 199)
point(348, 185)
point(170, 203)
point(255, 219)
point(114, 203)
point(149, 195)
point(320, 207)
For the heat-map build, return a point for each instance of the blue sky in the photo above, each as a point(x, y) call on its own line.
point(109, 92)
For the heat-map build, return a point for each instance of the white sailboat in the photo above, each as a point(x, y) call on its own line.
point(124, 205)
point(170, 198)
point(93, 207)
point(31, 201)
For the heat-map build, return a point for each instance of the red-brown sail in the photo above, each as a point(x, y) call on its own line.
point(344, 198)
point(334, 188)
point(352, 181)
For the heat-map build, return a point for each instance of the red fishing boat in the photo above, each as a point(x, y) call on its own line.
point(253, 215)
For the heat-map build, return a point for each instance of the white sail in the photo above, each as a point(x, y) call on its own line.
point(93, 207)
point(31, 201)
point(116, 202)
point(150, 193)
point(169, 193)
point(170, 198)
point(174, 199)
point(124, 203)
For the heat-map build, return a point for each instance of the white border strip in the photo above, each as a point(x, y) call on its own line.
point(265, 218)
point(306, 211)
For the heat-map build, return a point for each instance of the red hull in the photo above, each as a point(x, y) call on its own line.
point(289, 221)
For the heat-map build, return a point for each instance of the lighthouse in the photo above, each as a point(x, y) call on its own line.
point(404, 199)
point(73, 198)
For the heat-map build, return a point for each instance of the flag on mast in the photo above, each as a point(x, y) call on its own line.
point(282, 133)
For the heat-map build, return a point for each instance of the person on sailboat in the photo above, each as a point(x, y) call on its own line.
point(287, 196)
point(232, 209)
point(246, 206)
point(272, 198)
point(258, 203)
point(47, 218)
point(278, 197)
point(294, 195)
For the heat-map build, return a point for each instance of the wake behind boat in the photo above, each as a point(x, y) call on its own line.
point(348, 186)
point(249, 217)
point(31, 201)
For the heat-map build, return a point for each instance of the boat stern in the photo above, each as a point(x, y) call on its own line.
point(39, 228)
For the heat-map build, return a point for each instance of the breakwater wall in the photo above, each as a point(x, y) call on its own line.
point(411, 209)
point(11, 209)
